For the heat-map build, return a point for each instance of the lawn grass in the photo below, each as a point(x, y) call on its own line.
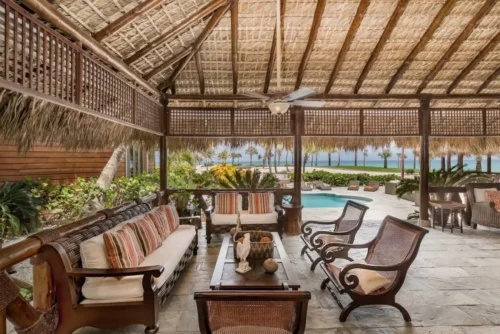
point(369, 169)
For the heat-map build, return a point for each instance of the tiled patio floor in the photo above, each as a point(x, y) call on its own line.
point(452, 287)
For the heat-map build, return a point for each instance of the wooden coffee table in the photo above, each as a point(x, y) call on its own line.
point(257, 278)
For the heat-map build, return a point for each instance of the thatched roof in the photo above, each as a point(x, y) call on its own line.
point(399, 46)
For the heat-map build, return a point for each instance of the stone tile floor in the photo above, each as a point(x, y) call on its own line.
point(452, 287)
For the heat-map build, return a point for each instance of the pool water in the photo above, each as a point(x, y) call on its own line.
point(330, 200)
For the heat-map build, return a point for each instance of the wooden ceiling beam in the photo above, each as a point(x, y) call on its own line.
point(346, 97)
point(316, 23)
point(126, 18)
point(393, 21)
point(234, 45)
point(426, 37)
point(489, 80)
point(170, 62)
point(353, 29)
point(199, 69)
point(212, 23)
point(272, 55)
point(179, 29)
point(472, 65)
point(469, 28)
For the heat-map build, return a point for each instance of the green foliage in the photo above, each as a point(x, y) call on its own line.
point(248, 179)
point(414, 215)
point(26, 293)
point(342, 179)
point(18, 211)
point(410, 171)
point(222, 172)
point(126, 189)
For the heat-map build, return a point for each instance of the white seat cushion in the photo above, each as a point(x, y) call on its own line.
point(266, 218)
point(218, 219)
point(168, 255)
point(480, 194)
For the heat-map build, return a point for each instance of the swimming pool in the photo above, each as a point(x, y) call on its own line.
point(330, 200)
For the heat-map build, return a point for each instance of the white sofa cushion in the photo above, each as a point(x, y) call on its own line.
point(218, 219)
point(168, 255)
point(480, 194)
point(246, 218)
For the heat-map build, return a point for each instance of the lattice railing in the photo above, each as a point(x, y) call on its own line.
point(207, 122)
point(37, 61)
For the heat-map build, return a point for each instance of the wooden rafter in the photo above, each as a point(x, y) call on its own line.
point(485, 9)
point(318, 15)
point(489, 80)
point(126, 18)
point(272, 55)
point(212, 23)
point(356, 22)
point(472, 65)
point(170, 62)
point(393, 21)
point(426, 37)
point(234, 45)
point(183, 26)
point(199, 69)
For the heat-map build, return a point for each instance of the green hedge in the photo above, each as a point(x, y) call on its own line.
point(342, 179)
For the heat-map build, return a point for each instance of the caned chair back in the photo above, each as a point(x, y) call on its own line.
point(351, 219)
point(252, 312)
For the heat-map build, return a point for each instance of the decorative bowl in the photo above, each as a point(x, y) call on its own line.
point(258, 250)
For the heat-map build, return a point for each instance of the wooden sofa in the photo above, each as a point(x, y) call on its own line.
point(217, 223)
point(107, 302)
point(482, 213)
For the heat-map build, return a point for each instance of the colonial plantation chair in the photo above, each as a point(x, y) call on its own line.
point(315, 233)
point(390, 254)
point(252, 312)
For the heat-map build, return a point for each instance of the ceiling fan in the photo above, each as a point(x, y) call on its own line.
point(279, 106)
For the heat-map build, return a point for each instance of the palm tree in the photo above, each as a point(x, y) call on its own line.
point(309, 151)
point(251, 151)
point(234, 155)
point(399, 158)
point(238, 156)
point(356, 156)
point(208, 154)
point(224, 155)
point(260, 157)
point(479, 167)
point(385, 154)
point(268, 152)
point(365, 154)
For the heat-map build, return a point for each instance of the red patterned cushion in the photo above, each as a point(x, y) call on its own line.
point(494, 196)
point(172, 216)
point(147, 234)
point(258, 203)
point(226, 203)
point(122, 248)
point(160, 221)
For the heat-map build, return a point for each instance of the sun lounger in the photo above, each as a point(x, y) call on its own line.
point(305, 187)
point(353, 185)
point(322, 186)
point(372, 186)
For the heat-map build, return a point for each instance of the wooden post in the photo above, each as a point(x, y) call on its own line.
point(443, 162)
point(43, 291)
point(488, 163)
point(424, 115)
point(448, 161)
point(3, 321)
point(297, 162)
point(460, 160)
point(163, 147)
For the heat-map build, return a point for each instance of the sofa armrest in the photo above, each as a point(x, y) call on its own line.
point(208, 211)
point(155, 271)
point(279, 209)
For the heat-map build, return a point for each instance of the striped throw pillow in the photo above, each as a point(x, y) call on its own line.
point(123, 249)
point(147, 234)
point(494, 196)
point(160, 221)
point(258, 203)
point(226, 203)
point(172, 216)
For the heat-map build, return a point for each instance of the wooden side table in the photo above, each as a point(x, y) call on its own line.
point(292, 216)
point(454, 207)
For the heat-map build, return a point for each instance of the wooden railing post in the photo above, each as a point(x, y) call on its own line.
point(43, 288)
point(297, 162)
point(79, 77)
point(425, 124)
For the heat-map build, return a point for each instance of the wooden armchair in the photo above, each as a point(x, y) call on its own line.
point(252, 312)
point(390, 254)
point(344, 228)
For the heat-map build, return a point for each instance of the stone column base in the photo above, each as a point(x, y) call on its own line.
point(424, 223)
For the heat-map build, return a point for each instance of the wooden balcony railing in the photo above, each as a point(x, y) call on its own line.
point(37, 61)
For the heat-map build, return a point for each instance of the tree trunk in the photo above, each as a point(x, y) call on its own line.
point(443, 163)
point(479, 167)
point(250, 160)
point(338, 163)
point(488, 164)
point(306, 156)
point(356, 157)
point(286, 161)
point(414, 162)
point(329, 159)
point(316, 162)
point(448, 161)
point(364, 160)
point(275, 154)
point(402, 163)
point(385, 162)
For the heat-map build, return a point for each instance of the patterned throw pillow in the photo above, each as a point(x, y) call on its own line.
point(123, 249)
point(172, 216)
point(159, 218)
point(258, 203)
point(147, 234)
point(494, 196)
point(226, 203)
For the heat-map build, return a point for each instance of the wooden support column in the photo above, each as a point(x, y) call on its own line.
point(425, 124)
point(443, 162)
point(43, 287)
point(3, 321)
point(448, 161)
point(488, 163)
point(297, 161)
point(460, 160)
point(163, 147)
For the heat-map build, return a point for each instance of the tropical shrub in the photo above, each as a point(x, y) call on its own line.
point(125, 189)
point(248, 179)
point(18, 211)
point(223, 172)
point(410, 171)
point(342, 179)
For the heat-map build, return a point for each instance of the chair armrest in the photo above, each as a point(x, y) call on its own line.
point(352, 281)
point(328, 256)
point(306, 230)
point(155, 271)
point(318, 243)
point(190, 221)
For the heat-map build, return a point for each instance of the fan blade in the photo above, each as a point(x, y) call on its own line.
point(257, 96)
point(299, 94)
point(309, 103)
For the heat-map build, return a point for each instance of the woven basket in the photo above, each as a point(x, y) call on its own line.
point(258, 250)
